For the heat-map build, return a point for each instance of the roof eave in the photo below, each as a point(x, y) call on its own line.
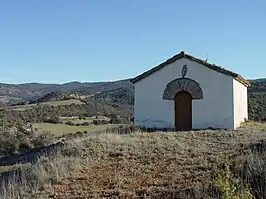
point(242, 80)
point(183, 55)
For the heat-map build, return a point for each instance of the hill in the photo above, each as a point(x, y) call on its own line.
point(55, 96)
point(39, 113)
point(33, 91)
point(119, 95)
point(257, 85)
point(113, 94)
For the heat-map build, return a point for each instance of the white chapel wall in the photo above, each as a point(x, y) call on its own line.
point(240, 103)
point(215, 110)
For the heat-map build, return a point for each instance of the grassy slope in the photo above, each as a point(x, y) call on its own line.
point(59, 129)
point(50, 103)
point(62, 102)
point(156, 164)
point(88, 119)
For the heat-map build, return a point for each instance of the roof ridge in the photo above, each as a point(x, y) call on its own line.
point(183, 54)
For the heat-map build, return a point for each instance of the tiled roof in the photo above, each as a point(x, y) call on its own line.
point(182, 54)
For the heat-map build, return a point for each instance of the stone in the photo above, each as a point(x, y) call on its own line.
point(182, 84)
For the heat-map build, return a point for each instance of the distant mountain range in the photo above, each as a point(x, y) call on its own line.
point(121, 91)
point(257, 86)
point(33, 91)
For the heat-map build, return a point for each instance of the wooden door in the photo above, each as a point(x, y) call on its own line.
point(183, 111)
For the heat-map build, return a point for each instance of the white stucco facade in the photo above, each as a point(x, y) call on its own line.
point(224, 103)
point(240, 103)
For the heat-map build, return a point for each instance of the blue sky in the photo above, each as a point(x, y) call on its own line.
point(55, 41)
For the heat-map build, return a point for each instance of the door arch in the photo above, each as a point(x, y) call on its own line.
point(182, 91)
point(183, 111)
point(183, 84)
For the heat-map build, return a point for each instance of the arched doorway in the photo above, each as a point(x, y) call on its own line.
point(183, 111)
point(182, 91)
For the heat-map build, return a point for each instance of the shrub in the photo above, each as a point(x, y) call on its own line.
point(105, 122)
point(85, 124)
point(18, 141)
point(96, 122)
point(70, 123)
point(79, 133)
point(100, 122)
point(228, 186)
point(87, 115)
point(82, 117)
point(40, 139)
point(8, 143)
point(116, 120)
point(52, 120)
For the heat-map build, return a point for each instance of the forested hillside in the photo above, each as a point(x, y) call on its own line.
point(33, 91)
point(112, 93)
point(257, 99)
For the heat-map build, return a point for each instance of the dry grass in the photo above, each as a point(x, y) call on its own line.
point(76, 119)
point(29, 179)
point(62, 102)
point(144, 165)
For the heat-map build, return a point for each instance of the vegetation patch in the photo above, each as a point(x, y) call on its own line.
point(60, 129)
point(62, 102)
point(202, 164)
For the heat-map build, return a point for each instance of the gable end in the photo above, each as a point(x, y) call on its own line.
point(182, 54)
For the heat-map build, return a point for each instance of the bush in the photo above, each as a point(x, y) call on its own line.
point(87, 115)
point(24, 146)
point(100, 122)
point(40, 139)
point(82, 117)
point(8, 143)
point(52, 120)
point(116, 120)
point(19, 141)
point(70, 123)
point(79, 133)
point(96, 122)
point(85, 124)
point(105, 122)
point(230, 188)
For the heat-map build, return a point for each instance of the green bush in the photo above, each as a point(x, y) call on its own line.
point(41, 139)
point(70, 123)
point(8, 143)
point(229, 187)
point(85, 124)
point(18, 141)
point(115, 120)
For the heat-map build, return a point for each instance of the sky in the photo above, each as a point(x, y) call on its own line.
point(57, 41)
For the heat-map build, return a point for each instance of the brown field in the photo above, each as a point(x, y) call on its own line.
point(145, 165)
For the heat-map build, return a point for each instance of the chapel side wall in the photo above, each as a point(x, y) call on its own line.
point(215, 110)
point(240, 103)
